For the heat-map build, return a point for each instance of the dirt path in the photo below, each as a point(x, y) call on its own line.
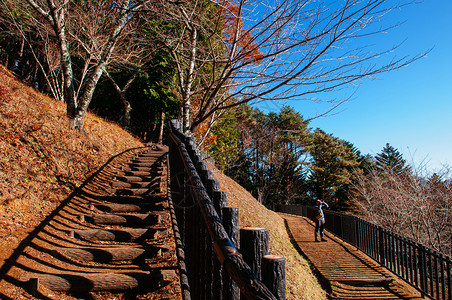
point(111, 239)
point(347, 272)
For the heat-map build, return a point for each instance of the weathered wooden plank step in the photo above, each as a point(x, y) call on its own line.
point(139, 169)
point(119, 235)
point(146, 159)
point(157, 154)
point(126, 185)
point(137, 184)
point(137, 191)
point(123, 199)
point(94, 282)
point(125, 219)
point(110, 254)
point(139, 207)
point(136, 173)
point(136, 178)
point(142, 164)
point(138, 200)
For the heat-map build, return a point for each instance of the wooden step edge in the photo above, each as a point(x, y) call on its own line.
point(95, 282)
point(118, 235)
point(110, 254)
point(134, 219)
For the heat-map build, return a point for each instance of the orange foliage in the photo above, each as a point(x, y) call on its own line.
point(201, 131)
point(234, 23)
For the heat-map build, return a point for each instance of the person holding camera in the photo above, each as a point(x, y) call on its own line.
point(319, 220)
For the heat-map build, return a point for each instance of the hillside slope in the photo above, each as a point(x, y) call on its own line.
point(41, 159)
point(300, 282)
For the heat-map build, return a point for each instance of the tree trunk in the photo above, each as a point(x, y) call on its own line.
point(162, 122)
point(127, 115)
point(121, 92)
point(76, 119)
point(189, 82)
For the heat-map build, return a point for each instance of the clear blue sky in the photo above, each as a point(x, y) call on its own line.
point(410, 108)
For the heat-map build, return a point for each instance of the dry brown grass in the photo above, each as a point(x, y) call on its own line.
point(300, 282)
point(42, 159)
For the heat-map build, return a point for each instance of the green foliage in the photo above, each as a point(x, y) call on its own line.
point(149, 94)
point(331, 168)
point(391, 159)
point(225, 138)
point(271, 152)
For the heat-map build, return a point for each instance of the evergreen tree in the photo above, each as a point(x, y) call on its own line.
point(271, 153)
point(332, 164)
point(390, 159)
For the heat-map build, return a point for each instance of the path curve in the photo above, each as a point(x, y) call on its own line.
point(346, 272)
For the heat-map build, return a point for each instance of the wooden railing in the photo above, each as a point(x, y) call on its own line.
point(423, 268)
point(209, 235)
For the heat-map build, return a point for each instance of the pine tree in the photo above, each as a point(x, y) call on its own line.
point(332, 164)
point(390, 159)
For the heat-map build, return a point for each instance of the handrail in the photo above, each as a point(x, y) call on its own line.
point(228, 255)
point(423, 268)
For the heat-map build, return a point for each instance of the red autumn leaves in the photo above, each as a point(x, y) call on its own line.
point(235, 32)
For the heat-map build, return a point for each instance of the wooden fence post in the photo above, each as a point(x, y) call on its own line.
point(254, 246)
point(220, 200)
point(230, 222)
point(274, 275)
point(213, 185)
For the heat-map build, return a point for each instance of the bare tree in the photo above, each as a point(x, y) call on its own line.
point(409, 204)
point(233, 52)
point(88, 36)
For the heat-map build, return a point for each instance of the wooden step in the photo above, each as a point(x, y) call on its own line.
point(139, 169)
point(138, 200)
point(118, 235)
point(141, 207)
point(142, 164)
point(138, 184)
point(146, 159)
point(110, 254)
point(125, 219)
point(137, 191)
point(152, 154)
point(136, 178)
point(93, 282)
point(135, 173)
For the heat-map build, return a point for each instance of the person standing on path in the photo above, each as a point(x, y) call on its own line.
point(319, 220)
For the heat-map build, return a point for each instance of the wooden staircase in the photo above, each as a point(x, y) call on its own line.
point(114, 236)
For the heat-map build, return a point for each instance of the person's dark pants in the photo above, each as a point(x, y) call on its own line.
point(319, 226)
